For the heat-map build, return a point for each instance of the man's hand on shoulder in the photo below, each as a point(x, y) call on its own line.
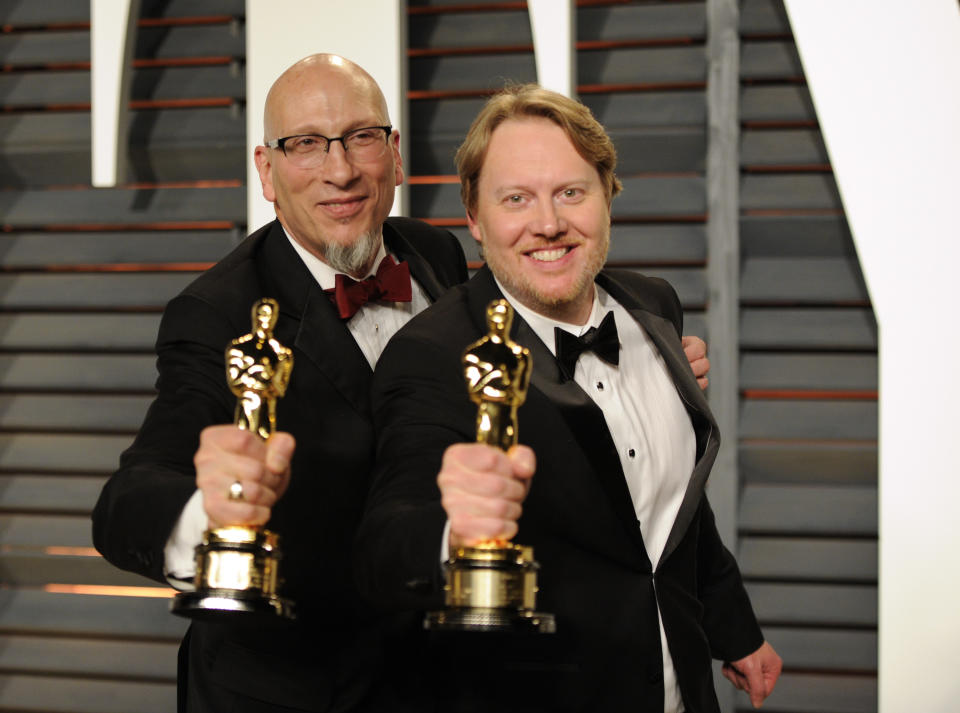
point(696, 351)
point(482, 490)
point(755, 674)
point(229, 455)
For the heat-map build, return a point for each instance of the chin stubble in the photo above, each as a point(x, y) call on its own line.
point(525, 287)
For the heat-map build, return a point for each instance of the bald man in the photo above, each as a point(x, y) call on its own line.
point(330, 164)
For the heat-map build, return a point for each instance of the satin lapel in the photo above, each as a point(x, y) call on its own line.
point(420, 269)
point(322, 336)
point(582, 416)
point(664, 336)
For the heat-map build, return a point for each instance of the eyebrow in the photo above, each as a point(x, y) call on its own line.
point(312, 131)
point(511, 188)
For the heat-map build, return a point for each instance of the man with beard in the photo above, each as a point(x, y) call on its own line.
point(330, 163)
point(617, 443)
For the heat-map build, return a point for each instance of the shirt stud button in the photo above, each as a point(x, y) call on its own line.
point(632, 453)
point(599, 386)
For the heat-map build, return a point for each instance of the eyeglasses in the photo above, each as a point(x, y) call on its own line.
point(310, 150)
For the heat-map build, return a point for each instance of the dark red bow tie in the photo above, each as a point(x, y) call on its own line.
point(391, 284)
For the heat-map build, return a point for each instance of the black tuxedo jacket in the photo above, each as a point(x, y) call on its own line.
point(595, 574)
point(325, 659)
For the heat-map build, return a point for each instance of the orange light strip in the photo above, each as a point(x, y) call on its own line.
point(73, 551)
point(446, 222)
point(163, 225)
point(589, 3)
point(424, 180)
point(182, 61)
point(132, 267)
point(448, 93)
point(110, 591)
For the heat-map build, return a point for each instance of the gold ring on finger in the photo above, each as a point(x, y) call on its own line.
point(236, 491)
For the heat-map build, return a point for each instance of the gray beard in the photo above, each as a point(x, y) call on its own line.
point(354, 259)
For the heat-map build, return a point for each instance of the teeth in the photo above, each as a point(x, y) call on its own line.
point(548, 255)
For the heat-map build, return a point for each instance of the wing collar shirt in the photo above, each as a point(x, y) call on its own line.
point(371, 327)
point(649, 426)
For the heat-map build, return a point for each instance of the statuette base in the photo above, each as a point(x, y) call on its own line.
point(213, 604)
point(236, 573)
point(491, 587)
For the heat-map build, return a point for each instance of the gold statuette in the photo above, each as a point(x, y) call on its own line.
point(237, 564)
point(492, 586)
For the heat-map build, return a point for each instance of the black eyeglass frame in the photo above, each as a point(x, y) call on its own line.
point(279, 143)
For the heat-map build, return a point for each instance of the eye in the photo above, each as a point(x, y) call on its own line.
point(515, 198)
point(304, 144)
point(362, 135)
point(571, 192)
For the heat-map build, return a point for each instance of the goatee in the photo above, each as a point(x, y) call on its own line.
point(356, 258)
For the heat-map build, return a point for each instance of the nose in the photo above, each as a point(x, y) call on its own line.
point(337, 167)
point(547, 220)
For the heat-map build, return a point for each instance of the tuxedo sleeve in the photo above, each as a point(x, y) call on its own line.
point(141, 502)
point(728, 618)
point(420, 408)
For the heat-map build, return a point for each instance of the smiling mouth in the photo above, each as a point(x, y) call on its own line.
point(550, 254)
point(344, 207)
point(343, 202)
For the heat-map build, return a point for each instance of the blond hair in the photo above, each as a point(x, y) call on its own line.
point(531, 100)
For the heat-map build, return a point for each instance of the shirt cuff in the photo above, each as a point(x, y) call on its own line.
point(179, 562)
point(445, 543)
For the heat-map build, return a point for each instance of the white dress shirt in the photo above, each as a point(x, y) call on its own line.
point(649, 426)
point(371, 327)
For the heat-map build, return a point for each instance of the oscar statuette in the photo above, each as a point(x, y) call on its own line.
point(492, 585)
point(237, 564)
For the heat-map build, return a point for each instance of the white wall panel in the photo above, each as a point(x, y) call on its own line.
point(280, 32)
point(887, 99)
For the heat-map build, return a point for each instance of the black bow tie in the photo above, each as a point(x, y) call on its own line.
point(602, 340)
